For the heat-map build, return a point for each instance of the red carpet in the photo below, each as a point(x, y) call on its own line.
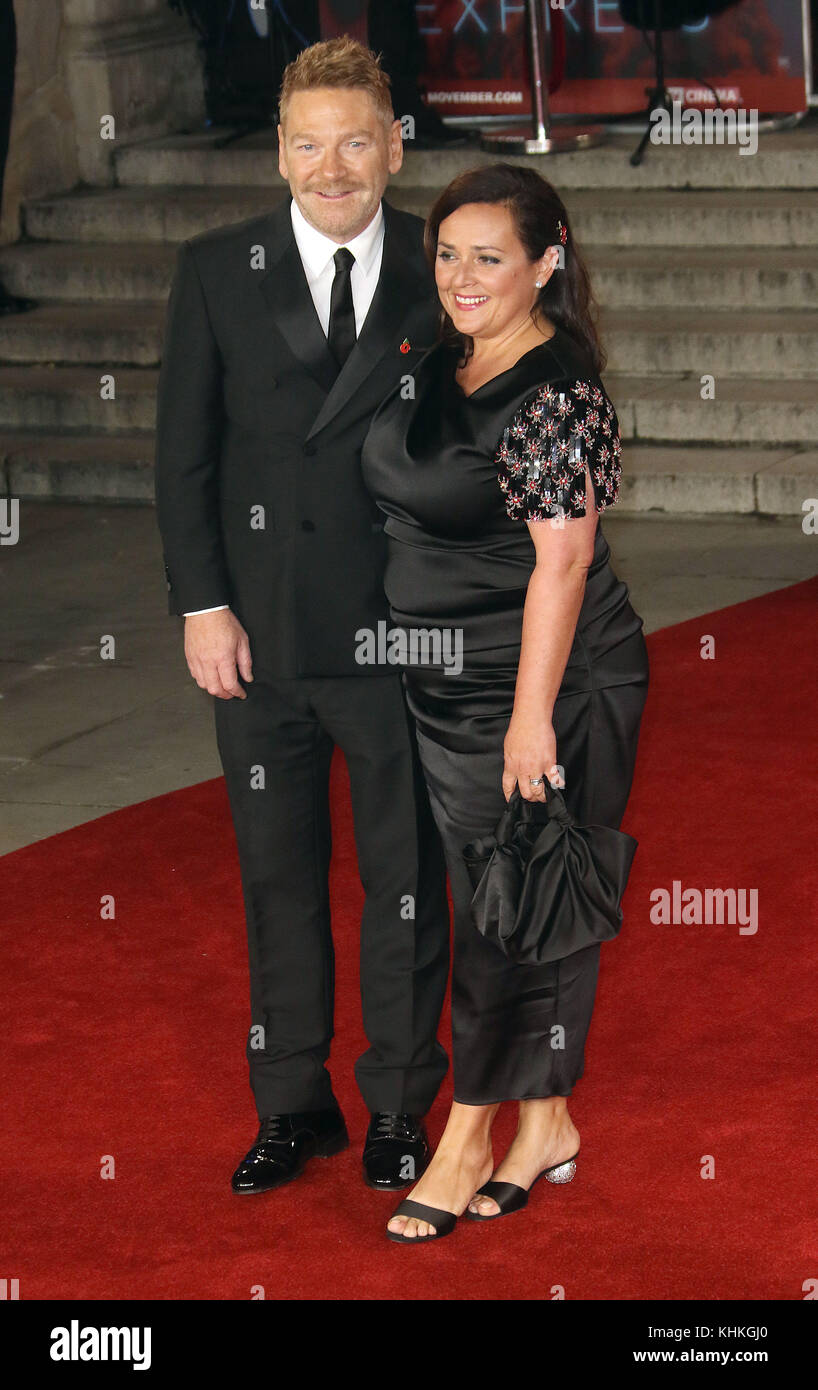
point(125, 1037)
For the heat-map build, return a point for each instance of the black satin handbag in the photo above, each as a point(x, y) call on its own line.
point(545, 887)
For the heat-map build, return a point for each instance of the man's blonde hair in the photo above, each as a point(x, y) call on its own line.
point(340, 62)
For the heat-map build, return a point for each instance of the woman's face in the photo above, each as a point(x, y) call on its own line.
point(484, 278)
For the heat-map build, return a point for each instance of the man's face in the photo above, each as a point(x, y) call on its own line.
point(337, 154)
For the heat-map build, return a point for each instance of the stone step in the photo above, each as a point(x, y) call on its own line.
point(784, 159)
point(607, 217)
point(707, 277)
point(76, 333)
point(747, 411)
point(54, 398)
point(625, 276)
point(81, 468)
point(63, 270)
point(726, 343)
point(165, 214)
point(700, 481)
point(771, 481)
point(620, 217)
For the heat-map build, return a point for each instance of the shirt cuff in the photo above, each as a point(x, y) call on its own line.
point(219, 609)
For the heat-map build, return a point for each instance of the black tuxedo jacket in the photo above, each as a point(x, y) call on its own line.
point(259, 494)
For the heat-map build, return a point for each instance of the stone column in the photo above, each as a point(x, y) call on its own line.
point(135, 60)
point(42, 152)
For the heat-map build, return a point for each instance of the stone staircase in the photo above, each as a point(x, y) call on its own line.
point(705, 262)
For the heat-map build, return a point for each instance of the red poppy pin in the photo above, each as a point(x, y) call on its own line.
point(406, 346)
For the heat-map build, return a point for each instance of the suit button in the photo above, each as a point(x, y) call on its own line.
point(273, 383)
point(308, 526)
point(309, 450)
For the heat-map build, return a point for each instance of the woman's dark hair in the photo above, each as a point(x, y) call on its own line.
point(535, 206)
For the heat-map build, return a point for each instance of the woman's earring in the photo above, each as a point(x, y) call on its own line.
point(538, 284)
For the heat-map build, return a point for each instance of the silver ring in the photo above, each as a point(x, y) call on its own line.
point(535, 781)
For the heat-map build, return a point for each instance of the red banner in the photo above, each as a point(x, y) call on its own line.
point(477, 64)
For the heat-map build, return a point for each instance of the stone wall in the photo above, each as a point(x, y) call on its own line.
point(79, 61)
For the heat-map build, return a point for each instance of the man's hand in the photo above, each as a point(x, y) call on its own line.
point(215, 645)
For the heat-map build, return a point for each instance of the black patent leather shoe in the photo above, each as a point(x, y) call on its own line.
point(284, 1146)
point(396, 1151)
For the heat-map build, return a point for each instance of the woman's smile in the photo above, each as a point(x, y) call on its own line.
point(470, 301)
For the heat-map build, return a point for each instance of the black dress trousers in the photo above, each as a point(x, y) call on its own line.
point(276, 748)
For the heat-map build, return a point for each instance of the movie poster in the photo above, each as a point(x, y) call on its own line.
point(477, 63)
point(342, 17)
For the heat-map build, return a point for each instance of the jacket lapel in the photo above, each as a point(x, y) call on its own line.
point(288, 298)
point(397, 292)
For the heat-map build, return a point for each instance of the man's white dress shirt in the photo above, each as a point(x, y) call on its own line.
point(317, 252)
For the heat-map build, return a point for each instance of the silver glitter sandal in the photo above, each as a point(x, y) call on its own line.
point(509, 1197)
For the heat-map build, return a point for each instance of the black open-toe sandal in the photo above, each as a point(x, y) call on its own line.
point(444, 1222)
point(509, 1197)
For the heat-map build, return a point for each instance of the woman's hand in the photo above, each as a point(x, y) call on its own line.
point(530, 749)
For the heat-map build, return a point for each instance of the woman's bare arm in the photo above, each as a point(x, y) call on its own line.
point(564, 551)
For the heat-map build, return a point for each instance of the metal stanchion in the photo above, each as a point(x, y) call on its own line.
point(540, 140)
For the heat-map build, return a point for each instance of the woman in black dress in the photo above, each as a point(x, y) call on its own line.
point(492, 466)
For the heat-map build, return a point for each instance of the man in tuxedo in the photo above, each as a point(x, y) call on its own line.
point(284, 333)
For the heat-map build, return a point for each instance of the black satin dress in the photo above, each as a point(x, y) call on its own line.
point(456, 477)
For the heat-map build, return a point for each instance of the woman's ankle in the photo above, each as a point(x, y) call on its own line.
point(468, 1127)
point(468, 1149)
point(549, 1117)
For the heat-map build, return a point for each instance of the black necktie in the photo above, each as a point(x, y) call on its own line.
point(341, 336)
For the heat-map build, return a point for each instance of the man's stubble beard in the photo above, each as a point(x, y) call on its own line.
point(339, 224)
